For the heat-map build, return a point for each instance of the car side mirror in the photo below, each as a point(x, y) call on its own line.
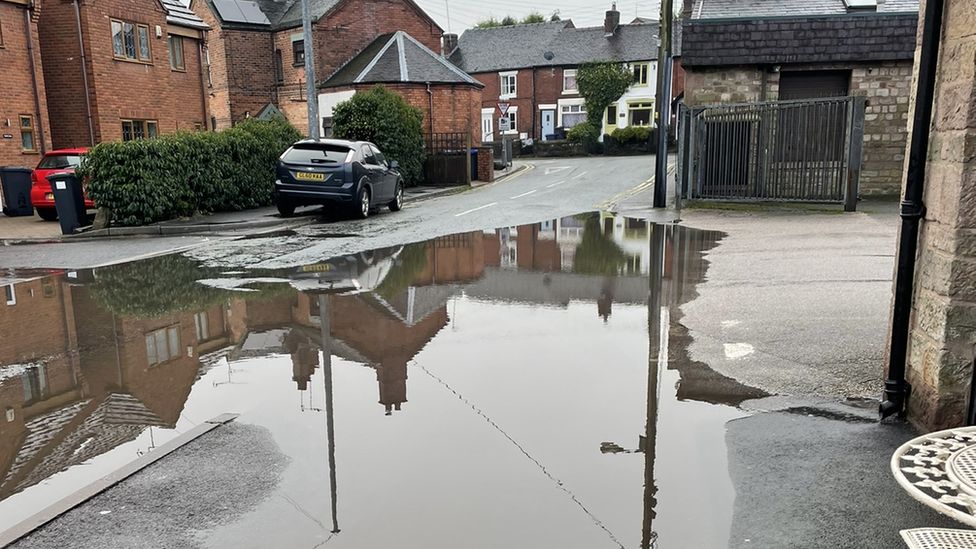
point(394, 165)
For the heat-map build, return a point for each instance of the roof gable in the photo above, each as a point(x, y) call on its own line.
point(398, 58)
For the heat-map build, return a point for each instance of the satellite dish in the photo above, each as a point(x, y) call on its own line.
point(549, 56)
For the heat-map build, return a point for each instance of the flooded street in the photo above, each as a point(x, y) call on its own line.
point(511, 382)
point(531, 385)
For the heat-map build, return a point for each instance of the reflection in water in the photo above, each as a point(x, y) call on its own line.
point(90, 361)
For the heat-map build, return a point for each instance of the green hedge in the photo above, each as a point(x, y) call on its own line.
point(632, 134)
point(177, 175)
point(389, 122)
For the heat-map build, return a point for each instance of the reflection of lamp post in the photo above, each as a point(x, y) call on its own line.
point(654, 359)
point(329, 411)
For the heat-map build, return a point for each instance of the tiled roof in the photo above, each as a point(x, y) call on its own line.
point(178, 14)
point(552, 44)
point(398, 57)
point(751, 9)
point(500, 48)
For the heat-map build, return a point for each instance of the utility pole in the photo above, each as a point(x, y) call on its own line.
point(312, 98)
point(663, 104)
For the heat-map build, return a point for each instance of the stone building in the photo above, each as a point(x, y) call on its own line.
point(532, 68)
point(24, 130)
point(736, 51)
point(942, 344)
point(257, 52)
point(122, 70)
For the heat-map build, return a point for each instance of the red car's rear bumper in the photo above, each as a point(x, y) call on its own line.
point(42, 197)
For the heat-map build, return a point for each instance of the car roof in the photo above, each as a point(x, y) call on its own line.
point(76, 150)
point(337, 142)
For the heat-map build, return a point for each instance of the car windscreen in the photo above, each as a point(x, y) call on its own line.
point(315, 153)
point(59, 162)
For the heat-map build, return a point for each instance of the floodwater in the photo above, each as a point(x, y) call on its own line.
point(525, 386)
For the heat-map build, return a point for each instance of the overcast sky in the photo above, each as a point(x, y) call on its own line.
point(584, 13)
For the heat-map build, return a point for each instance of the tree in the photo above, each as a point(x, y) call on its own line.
point(489, 23)
point(600, 84)
point(534, 17)
point(388, 121)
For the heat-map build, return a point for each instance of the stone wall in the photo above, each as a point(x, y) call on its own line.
point(887, 85)
point(943, 330)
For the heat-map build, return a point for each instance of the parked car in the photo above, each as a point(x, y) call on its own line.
point(59, 161)
point(354, 174)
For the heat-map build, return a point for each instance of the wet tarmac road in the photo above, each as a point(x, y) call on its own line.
point(531, 385)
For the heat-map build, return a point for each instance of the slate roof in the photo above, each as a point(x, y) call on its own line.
point(751, 9)
point(287, 14)
point(501, 48)
point(180, 15)
point(397, 58)
point(523, 46)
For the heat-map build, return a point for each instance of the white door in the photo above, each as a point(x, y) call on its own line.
point(487, 125)
point(548, 123)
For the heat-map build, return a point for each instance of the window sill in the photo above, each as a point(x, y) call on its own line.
point(30, 152)
point(177, 70)
point(570, 92)
point(132, 61)
point(506, 97)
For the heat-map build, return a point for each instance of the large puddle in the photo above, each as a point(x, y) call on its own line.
point(526, 386)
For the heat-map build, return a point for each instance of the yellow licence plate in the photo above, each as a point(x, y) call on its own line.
point(317, 268)
point(309, 176)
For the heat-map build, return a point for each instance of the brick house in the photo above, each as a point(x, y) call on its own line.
point(122, 70)
point(449, 98)
point(533, 68)
point(761, 50)
point(25, 132)
point(257, 53)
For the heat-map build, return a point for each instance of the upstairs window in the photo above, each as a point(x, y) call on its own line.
point(298, 53)
point(130, 41)
point(569, 81)
point(163, 345)
point(176, 53)
point(508, 84)
point(640, 74)
point(279, 67)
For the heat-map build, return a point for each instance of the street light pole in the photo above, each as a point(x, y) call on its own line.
point(311, 97)
point(663, 104)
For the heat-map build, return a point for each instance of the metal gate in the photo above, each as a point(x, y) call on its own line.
point(448, 159)
point(802, 150)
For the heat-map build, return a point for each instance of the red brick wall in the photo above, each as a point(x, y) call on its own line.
point(545, 88)
point(119, 89)
point(18, 92)
point(342, 35)
point(241, 70)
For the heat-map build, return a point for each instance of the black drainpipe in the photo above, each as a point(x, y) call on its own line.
point(896, 389)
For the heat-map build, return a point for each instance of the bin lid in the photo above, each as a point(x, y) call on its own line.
point(14, 169)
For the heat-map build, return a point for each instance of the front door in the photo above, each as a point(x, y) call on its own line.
point(487, 125)
point(548, 123)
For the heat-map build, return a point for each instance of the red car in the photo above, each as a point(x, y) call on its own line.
point(59, 161)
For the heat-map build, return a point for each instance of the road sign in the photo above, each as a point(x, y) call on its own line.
point(504, 124)
point(503, 107)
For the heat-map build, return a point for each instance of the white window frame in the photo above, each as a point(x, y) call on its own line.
point(569, 103)
point(502, 76)
point(570, 72)
point(513, 116)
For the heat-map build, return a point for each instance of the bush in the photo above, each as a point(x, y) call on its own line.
point(386, 120)
point(584, 133)
point(632, 134)
point(178, 175)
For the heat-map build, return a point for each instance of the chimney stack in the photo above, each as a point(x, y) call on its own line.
point(612, 21)
point(449, 43)
point(687, 7)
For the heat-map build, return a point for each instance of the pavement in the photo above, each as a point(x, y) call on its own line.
point(534, 381)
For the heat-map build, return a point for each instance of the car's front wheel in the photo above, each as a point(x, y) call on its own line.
point(47, 214)
point(362, 203)
point(285, 208)
point(397, 203)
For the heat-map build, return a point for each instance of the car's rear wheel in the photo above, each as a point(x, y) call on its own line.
point(48, 214)
point(397, 203)
point(286, 208)
point(362, 203)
